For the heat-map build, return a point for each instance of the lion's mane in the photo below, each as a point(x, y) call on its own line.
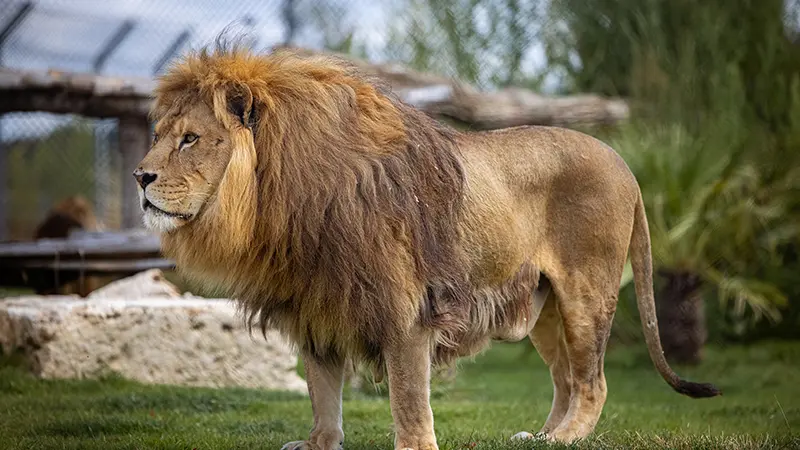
point(337, 218)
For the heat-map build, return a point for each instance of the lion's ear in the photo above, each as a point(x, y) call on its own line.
point(236, 101)
point(240, 103)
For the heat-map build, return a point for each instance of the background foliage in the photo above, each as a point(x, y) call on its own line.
point(713, 143)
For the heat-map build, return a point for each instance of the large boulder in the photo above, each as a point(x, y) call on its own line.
point(153, 339)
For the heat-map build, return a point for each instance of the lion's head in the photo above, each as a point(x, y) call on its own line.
point(202, 165)
point(230, 123)
point(184, 168)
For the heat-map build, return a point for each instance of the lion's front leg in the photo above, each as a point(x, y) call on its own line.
point(408, 366)
point(325, 382)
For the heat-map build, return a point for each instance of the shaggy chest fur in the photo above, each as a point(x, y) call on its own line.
point(356, 322)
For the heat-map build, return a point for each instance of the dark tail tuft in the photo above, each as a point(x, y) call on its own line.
point(697, 390)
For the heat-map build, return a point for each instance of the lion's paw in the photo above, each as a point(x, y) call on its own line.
point(306, 445)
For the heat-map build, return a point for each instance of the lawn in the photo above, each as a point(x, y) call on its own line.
point(504, 391)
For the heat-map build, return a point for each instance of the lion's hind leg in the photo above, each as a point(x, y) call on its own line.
point(548, 338)
point(586, 305)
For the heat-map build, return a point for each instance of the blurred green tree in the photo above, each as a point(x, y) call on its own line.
point(713, 143)
point(483, 42)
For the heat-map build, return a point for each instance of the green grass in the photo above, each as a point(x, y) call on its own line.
point(502, 392)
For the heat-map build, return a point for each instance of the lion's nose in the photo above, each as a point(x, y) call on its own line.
point(144, 178)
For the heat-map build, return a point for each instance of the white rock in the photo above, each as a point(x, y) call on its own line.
point(522, 435)
point(150, 283)
point(184, 341)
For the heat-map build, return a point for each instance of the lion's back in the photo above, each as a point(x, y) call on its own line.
point(540, 154)
point(530, 161)
point(528, 184)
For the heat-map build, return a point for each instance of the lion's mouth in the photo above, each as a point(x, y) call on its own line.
point(146, 204)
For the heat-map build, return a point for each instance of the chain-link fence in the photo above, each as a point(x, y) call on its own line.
point(49, 156)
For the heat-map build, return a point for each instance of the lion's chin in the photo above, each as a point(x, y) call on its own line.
point(159, 222)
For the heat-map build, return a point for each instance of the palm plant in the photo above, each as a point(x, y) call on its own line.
point(715, 224)
point(716, 93)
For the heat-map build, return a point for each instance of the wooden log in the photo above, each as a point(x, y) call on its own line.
point(515, 107)
point(45, 275)
point(69, 102)
point(441, 97)
point(134, 141)
point(46, 264)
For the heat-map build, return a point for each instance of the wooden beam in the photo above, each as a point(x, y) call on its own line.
point(46, 275)
point(446, 98)
point(515, 107)
point(74, 93)
point(134, 141)
point(47, 263)
point(71, 102)
point(91, 266)
point(87, 246)
point(18, 18)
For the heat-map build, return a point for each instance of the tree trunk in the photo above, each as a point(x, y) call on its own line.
point(681, 318)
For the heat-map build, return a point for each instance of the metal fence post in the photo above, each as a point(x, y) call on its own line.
point(12, 25)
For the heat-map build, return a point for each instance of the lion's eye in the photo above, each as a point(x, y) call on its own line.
point(188, 138)
point(155, 138)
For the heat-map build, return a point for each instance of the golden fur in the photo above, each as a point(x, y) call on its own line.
point(361, 228)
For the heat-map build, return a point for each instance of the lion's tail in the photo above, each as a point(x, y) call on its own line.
point(642, 264)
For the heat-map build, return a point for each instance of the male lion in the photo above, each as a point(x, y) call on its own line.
point(71, 213)
point(363, 229)
point(68, 215)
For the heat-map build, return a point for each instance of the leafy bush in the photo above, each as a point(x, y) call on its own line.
point(715, 90)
